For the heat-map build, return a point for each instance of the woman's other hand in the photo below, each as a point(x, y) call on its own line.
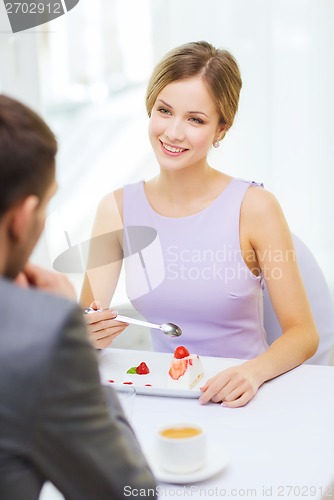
point(233, 387)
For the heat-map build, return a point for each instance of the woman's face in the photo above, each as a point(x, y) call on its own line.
point(184, 123)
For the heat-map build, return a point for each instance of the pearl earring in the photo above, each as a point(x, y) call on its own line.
point(216, 144)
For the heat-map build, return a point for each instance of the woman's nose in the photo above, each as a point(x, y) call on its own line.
point(175, 131)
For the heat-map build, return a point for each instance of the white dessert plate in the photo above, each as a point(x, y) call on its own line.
point(216, 462)
point(114, 363)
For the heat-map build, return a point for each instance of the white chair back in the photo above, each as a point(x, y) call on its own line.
point(320, 301)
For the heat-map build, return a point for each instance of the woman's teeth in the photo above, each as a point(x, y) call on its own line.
point(172, 150)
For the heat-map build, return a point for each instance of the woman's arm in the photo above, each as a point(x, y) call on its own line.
point(105, 252)
point(265, 238)
point(103, 270)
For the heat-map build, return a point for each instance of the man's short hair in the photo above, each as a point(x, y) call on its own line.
point(27, 153)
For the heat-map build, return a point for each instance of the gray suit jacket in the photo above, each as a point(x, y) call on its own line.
point(54, 422)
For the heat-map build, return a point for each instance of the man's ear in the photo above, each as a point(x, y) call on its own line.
point(22, 218)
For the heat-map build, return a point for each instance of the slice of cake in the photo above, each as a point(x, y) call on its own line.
point(185, 369)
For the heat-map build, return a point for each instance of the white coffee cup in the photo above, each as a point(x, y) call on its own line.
point(181, 448)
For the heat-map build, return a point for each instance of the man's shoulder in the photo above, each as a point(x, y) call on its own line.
point(30, 315)
point(31, 298)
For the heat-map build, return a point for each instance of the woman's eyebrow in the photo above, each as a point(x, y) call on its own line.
point(190, 112)
point(165, 103)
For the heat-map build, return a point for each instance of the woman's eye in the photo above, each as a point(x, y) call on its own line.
point(163, 111)
point(197, 120)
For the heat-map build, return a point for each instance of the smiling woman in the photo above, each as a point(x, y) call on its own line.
point(194, 207)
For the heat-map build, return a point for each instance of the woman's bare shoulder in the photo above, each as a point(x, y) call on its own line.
point(109, 214)
point(261, 217)
point(259, 202)
point(111, 201)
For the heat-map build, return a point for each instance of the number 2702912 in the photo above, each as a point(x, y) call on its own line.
point(33, 8)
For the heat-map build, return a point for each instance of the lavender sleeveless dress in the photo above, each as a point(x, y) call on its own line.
point(190, 271)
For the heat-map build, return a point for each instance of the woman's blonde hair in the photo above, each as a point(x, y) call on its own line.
point(218, 69)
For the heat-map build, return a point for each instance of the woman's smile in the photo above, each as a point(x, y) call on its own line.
point(172, 150)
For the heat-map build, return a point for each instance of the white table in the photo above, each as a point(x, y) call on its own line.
point(280, 445)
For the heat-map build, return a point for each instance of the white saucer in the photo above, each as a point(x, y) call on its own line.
point(216, 461)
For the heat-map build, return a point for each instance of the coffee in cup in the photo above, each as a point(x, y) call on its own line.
point(181, 448)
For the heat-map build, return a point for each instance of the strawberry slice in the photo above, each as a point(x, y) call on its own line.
point(142, 369)
point(178, 368)
point(181, 352)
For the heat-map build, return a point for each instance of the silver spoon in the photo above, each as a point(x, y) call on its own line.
point(166, 328)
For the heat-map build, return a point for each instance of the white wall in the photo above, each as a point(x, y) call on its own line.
point(19, 76)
